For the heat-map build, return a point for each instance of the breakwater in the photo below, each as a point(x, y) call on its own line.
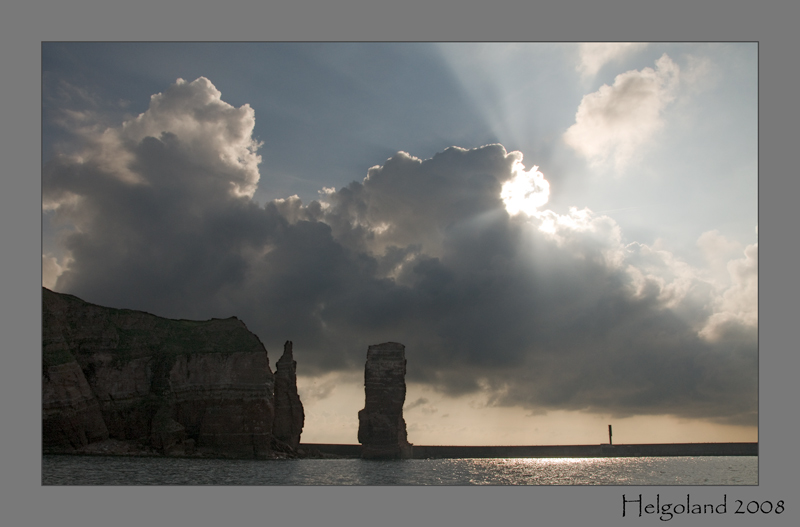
point(549, 451)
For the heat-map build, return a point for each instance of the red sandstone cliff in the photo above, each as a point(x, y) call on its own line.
point(170, 386)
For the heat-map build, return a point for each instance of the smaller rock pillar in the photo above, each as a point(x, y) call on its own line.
point(289, 415)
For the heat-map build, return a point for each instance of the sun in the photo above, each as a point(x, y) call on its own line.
point(526, 191)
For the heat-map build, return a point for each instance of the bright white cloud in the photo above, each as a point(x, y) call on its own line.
point(737, 305)
point(658, 274)
point(213, 131)
point(584, 234)
point(190, 118)
point(595, 55)
point(717, 249)
point(616, 122)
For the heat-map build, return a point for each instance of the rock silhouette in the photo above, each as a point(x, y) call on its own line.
point(289, 415)
point(381, 427)
point(176, 387)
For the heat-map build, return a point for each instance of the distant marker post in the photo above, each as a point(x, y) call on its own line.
point(609, 435)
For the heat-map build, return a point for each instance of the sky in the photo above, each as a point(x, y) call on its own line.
point(563, 235)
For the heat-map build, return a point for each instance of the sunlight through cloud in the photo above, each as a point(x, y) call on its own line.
point(526, 191)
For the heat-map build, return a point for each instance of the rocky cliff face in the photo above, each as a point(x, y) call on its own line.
point(170, 386)
point(289, 415)
point(381, 427)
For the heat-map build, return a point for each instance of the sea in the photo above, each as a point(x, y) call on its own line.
point(120, 470)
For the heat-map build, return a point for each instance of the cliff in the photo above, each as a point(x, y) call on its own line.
point(289, 415)
point(381, 427)
point(165, 386)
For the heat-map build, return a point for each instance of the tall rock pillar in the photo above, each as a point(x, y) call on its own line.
point(289, 415)
point(381, 427)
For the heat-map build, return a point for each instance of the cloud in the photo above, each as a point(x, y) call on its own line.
point(616, 122)
point(717, 248)
point(76, 112)
point(424, 406)
point(164, 194)
point(594, 55)
point(315, 389)
point(408, 201)
point(188, 136)
point(536, 309)
point(419, 402)
point(51, 270)
point(737, 305)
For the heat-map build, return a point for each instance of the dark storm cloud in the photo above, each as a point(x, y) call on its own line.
point(548, 311)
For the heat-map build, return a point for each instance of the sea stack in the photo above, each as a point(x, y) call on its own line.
point(289, 415)
point(381, 427)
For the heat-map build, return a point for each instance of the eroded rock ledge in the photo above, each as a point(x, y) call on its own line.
point(381, 427)
point(124, 381)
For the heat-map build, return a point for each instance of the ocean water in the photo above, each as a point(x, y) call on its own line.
point(110, 470)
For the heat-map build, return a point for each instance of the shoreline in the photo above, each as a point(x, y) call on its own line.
point(352, 451)
point(556, 451)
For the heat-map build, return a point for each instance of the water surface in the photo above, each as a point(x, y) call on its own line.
point(110, 470)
